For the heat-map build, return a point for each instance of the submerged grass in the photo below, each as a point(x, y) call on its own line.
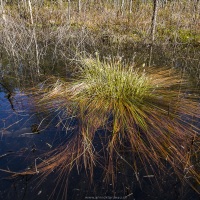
point(147, 110)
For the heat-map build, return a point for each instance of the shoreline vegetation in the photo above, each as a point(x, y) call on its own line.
point(127, 70)
point(38, 36)
point(148, 112)
point(142, 108)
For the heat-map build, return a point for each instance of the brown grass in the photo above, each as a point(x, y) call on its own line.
point(158, 128)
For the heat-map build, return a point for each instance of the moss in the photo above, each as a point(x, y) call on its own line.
point(181, 35)
point(185, 35)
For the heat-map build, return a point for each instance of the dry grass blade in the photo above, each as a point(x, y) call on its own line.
point(144, 110)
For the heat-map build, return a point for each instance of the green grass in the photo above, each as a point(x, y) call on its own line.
point(146, 107)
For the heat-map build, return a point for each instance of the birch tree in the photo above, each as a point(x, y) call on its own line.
point(130, 6)
point(69, 9)
point(34, 37)
point(79, 6)
point(154, 18)
point(153, 28)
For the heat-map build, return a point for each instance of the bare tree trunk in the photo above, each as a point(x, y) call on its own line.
point(122, 7)
point(130, 6)
point(69, 9)
point(117, 4)
point(1, 24)
point(35, 38)
point(79, 6)
point(154, 18)
point(2, 7)
point(153, 29)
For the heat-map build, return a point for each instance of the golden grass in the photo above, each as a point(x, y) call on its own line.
point(147, 109)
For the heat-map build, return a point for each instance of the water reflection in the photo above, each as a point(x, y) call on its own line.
point(21, 146)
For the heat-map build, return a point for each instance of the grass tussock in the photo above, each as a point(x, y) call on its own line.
point(145, 110)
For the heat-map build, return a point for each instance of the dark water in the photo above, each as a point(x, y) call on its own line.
point(21, 149)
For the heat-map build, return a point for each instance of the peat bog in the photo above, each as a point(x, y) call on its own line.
point(99, 101)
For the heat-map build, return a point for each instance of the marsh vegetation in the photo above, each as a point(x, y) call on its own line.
point(120, 78)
